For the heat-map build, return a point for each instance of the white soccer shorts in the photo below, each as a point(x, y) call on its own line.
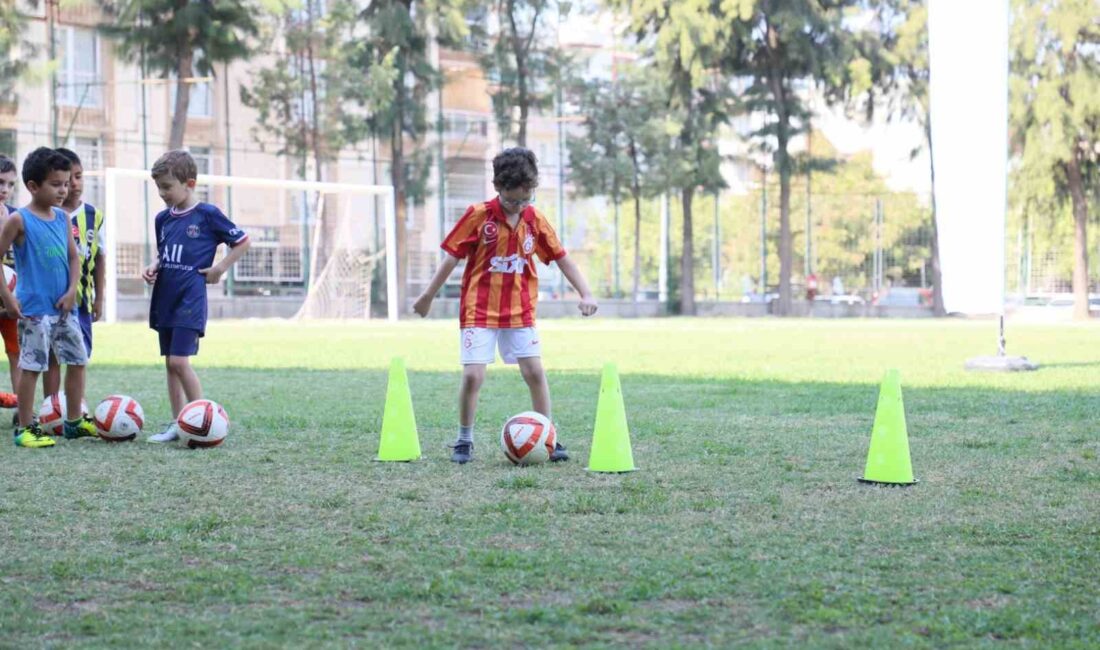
point(478, 345)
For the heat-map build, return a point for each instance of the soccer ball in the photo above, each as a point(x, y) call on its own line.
point(528, 438)
point(202, 423)
point(119, 418)
point(9, 277)
point(51, 415)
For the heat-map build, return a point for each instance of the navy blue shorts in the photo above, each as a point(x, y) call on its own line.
point(178, 342)
point(85, 320)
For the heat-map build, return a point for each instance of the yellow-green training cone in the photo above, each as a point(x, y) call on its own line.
point(888, 456)
point(400, 441)
point(611, 437)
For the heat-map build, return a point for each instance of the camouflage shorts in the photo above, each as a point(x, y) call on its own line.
point(40, 334)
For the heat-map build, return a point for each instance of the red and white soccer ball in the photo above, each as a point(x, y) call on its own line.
point(528, 438)
point(9, 277)
point(51, 414)
point(119, 418)
point(202, 423)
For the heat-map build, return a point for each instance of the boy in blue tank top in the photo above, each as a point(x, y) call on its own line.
point(188, 235)
point(48, 266)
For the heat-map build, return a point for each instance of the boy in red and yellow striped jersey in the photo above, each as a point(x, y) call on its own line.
point(499, 240)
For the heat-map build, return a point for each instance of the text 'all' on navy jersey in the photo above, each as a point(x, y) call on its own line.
point(187, 242)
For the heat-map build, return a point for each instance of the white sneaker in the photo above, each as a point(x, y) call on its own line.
point(170, 434)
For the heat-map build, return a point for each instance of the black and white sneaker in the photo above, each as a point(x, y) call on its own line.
point(560, 454)
point(463, 452)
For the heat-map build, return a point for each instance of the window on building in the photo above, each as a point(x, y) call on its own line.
point(465, 187)
point(7, 143)
point(78, 72)
point(201, 103)
point(202, 163)
point(460, 125)
point(90, 151)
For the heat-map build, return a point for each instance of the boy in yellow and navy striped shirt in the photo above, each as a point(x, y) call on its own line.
point(87, 229)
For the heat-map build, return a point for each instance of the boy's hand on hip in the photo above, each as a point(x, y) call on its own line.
point(67, 301)
point(587, 306)
point(149, 274)
point(213, 274)
point(423, 305)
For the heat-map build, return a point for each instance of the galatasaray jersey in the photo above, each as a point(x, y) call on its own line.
point(501, 286)
point(186, 242)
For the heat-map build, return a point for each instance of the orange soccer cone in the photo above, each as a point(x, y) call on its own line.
point(400, 441)
point(888, 460)
point(611, 438)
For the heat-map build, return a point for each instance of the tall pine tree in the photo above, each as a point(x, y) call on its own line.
point(1055, 114)
point(181, 38)
point(685, 43)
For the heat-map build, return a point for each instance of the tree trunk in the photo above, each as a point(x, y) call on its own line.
point(636, 192)
point(397, 173)
point(687, 260)
point(315, 121)
point(519, 51)
point(938, 308)
point(1080, 239)
point(778, 87)
point(184, 71)
point(783, 305)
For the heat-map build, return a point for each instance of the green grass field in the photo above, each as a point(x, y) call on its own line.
point(743, 525)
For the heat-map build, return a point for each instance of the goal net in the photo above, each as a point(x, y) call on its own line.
point(317, 250)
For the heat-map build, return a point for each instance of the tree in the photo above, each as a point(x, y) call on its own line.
point(780, 46)
point(686, 41)
point(901, 73)
point(617, 154)
point(307, 98)
point(521, 62)
point(397, 44)
point(13, 27)
point(1055, 114)
point(181, 38)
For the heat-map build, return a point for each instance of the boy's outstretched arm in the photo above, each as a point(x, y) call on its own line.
point(215, 273)
point(423, 304)
point(12, 229)
point(588, 304)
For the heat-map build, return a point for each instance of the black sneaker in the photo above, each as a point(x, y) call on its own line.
point(560, 454)
point(463, 452)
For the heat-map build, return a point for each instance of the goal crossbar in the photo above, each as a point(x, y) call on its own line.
point(113, 174)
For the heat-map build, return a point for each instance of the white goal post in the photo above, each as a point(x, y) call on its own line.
point(112, 198)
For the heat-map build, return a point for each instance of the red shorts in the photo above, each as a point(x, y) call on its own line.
point(9, 327)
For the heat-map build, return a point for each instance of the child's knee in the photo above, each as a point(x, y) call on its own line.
point(532, 374)
point(177, 364)
point(472, 377)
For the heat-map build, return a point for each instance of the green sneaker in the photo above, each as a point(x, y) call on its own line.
point(82, 428)
point(32, 437)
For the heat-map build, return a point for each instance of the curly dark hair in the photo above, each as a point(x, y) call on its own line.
point(516, 167)
point(40, 162)
point(70, 154)
point(6, 164)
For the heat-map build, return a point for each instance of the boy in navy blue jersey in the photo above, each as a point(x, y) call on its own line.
point(188, 235)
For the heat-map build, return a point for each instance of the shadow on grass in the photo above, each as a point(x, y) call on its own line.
point(688, 411)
